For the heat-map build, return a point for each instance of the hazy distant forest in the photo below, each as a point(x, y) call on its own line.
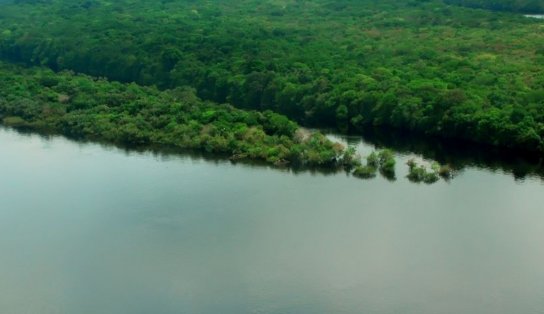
point(424, 66)
point(526, 6)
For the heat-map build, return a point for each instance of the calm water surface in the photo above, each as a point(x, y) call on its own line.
point(87, 229)
point(536, 16)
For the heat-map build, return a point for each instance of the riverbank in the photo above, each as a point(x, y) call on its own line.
point(143, 118)
point(87, 108)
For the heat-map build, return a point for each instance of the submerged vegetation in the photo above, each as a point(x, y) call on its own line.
point(382, 161)
point(369, 170)
point(420, 173)
point(387, 164)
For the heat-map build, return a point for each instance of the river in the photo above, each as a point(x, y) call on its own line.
point(535, 16)
point(91, 229)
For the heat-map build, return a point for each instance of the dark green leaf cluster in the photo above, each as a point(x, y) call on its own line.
point(387, 164)
point(365, 172)
point(418, 173)
point(382, 161)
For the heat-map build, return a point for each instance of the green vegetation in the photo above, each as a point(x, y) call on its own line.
point(387, 164)
point(350, 159)
point(421, 66)
point(524, 6)
point(444, 171)
point(86, 108)
point(373, 160)
point(384, 161)
point(369, 170)
point(419, 173)
point(237, 77)
point(365, 172)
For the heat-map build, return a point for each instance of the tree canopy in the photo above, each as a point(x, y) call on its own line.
point(422, 66)
point(87, 108)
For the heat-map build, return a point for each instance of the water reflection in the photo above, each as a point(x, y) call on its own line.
point(458, 154)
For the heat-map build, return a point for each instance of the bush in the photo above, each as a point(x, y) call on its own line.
point(365, 172)
point(350, 159)
point(15, 122)
point(419, 173)
point(373, 160)
point(387, 164)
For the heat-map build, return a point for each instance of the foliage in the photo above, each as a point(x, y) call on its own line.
point(373, 160)
point(419, 173)
point(384, 161)
point(96, 109)
point(387, 164)
point(365, 172)
point(351, 159)
point(421, 66)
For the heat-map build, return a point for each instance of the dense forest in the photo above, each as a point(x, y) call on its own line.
point(82, 107)
point(523, 6)
point(422, 66)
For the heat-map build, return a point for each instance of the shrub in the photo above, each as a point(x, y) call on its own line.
point(365, 172)
point(387, 164)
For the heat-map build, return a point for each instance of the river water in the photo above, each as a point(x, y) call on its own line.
point(91, 229)
point(535, 16)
